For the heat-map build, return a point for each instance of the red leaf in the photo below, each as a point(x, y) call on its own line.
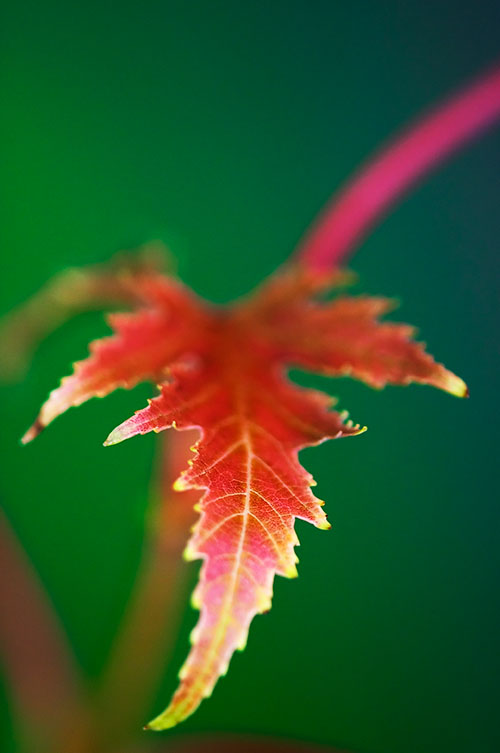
point(253, 422)
point(226, 370)
point(143, 346)
point(344, 338)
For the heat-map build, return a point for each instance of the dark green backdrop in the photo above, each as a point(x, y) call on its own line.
point(222, 127)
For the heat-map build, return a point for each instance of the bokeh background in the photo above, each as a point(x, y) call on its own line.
point(222, 128)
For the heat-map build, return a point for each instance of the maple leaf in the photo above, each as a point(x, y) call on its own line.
point(223, 371)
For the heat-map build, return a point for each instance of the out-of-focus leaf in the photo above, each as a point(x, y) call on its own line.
point(97, 287)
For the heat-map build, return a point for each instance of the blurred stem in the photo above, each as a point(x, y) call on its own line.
point(151, 623)
point(43, 678)
point(69, 293)
point(365, 199)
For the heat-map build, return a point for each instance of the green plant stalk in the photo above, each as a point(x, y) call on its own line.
point(152, 619)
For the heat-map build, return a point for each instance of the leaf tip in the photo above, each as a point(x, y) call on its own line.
point(195, 601)
point(161, 722)
point(116, 436)
point(455, 386)
point(180, 485)
point(33, 432)
point(188, 555)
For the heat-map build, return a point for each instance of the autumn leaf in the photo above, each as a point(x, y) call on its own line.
point(96, 287)
point(223, 371)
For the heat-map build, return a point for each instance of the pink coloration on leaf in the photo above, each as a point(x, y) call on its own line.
point(350, 341)
point(253, 424)
point(144, 344)
point(223, 371)
point(378, 185)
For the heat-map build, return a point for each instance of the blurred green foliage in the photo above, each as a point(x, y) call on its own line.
point(221, 128)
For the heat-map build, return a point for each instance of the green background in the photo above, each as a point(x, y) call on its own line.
point(222, 128)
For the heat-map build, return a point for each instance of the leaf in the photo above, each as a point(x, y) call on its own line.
point(97, 287)
point(223, 371)
point(344, 338)
point(141, 349)
point(253, 424)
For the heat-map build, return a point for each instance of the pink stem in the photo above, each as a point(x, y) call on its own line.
point(362, 202)
point(43, 678)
